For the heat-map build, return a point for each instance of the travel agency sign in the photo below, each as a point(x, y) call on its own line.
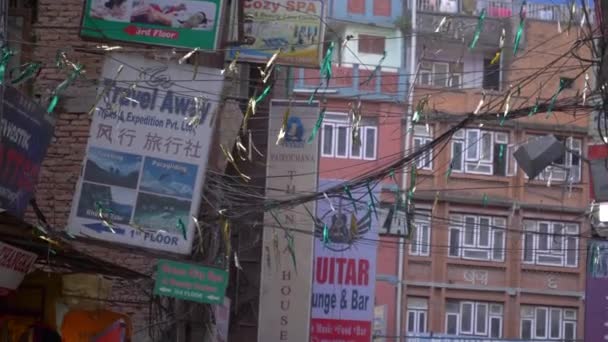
point(145, 164)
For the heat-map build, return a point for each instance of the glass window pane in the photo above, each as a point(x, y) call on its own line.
point(541, 323)
point(486, 146)
point(526, 329)
point(484, 232)
point(414, 241)
point(569, 331)
point(497, 249)
point(555, 323)
point(355, 149)
point(543, 236)
point(557, 238)
point(528, 247)
point(466, 318)
point(457, 148)
point(571, 250)
point(424, 241)
point(495, 330)
point(370, 143)
point(472, 145)
point(342, 141)
point(451, 324)
point(421, 321)
point(328, 139)
point(469, 230)
point(411, 321)
point(454, 242)
point(482, 319)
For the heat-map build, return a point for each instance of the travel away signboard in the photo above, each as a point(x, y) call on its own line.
point(187, 23)
point(26, 130)
point(190, 282)
point(145, 165)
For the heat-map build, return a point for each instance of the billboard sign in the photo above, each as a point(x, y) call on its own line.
point(15, 263)
point(596, 292)
point(186, 24)
point(285, 279)
point(145, 165)
point(294, 26)
point(190, 282)
point(344, 270)
point(26, 130)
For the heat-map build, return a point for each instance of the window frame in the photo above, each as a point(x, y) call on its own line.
point(469, 163)
point(555, 173)
point(429, 68)
point(421, 218)
point(458, 222)
point(369, 43)
point(489, 316)
point(364, 142)
point(529, 313)
point(336, 124)
point(425, 161)
point(570, 230)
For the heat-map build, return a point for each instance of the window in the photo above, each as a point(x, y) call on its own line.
point(356, 6)
point(440, 74)
point(567, 168)
point(567, 82)
point(337, 141)
point(371, 44)
point(421, 138)
point(477, 237)
point(491, 74)
point(474, 318)
point(550, 243)
point(420, 242)
point(480, 152)
point(382, 8)
point(539, 322)
point(417, 312)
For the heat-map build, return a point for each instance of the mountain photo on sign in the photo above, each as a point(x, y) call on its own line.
point(197, 15)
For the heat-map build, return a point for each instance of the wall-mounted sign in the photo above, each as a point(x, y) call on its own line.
point(190, 282)
point(294, 26)
point(344, 270)
point(285, 281)
point(187, 24)
point(596, 292)
point(25, 134)
point(145, 165)
point(15, 263)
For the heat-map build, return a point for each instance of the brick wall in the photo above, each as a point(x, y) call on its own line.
point(57, 27)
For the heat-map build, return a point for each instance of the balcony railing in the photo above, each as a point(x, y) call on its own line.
point(450, 338)
point(549, 11)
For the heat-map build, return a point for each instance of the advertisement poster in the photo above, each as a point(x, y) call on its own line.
point(186, 23)
point(25, 131)
point(344, 270)
point(190, 282)
point(296, 27)
point(145, 165)
point(15, 263)
point(285, 279)
point(596, 293)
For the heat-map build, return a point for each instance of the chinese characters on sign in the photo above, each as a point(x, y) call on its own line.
point(145, 165)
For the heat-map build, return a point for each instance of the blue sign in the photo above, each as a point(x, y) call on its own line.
point(25, 132)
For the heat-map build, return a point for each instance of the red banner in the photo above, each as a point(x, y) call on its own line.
point(339, 330)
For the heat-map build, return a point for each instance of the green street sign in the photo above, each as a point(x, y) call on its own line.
point(190, 282)
point(185, 24)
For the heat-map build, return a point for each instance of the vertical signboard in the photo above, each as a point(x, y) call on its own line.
point(296, 27)
point(145, 165)
point(15, 263)
point(285, 284)
point(379, 323)
point(26, 130)
point(221, 312)
point(596, 292)
point(344, 270)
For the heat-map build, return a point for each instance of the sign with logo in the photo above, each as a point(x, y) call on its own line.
point(187, 24)
point(296, 27)
point(344, 270)
point(285, 280)
point(15, 263)
point(596, 292)
point(25, 134)
point(145, 165)
point(190, 282)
